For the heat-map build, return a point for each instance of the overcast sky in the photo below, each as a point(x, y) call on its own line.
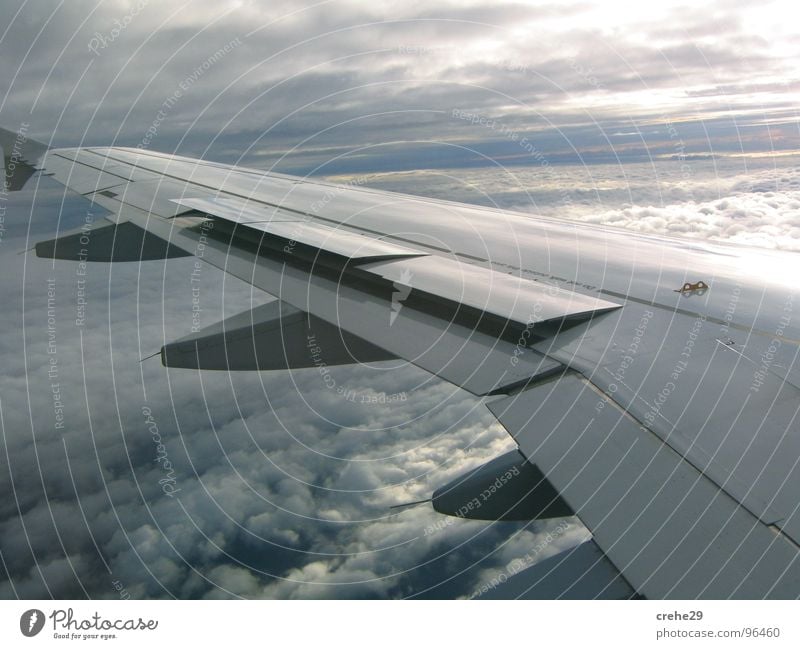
point(305, 84)
point(285, 488)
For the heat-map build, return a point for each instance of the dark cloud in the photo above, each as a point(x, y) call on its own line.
point(297, 71)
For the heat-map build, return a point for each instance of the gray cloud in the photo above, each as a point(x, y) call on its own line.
point(300, 70)
point(285, 487)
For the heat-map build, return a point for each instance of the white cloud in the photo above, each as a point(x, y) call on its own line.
point(763, 211)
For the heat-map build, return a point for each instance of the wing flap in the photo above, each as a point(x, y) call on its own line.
point(508, 297)
point(108, 243)
point(667, 528)
point(472, 360)
point(273, 336)
point(704, 394)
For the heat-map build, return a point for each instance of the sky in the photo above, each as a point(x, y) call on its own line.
point(671, 118)
point(328, 86)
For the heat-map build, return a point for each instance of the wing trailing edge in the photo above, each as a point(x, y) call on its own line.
point(581, 572)
point(651, 512)
point(109, 243)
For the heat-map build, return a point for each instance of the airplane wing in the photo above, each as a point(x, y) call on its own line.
point(651, 384)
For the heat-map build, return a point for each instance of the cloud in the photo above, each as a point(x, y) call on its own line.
point(764, 219)
point(350, 76)
point(283, 487)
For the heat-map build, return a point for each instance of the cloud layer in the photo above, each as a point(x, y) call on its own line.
point(208, 485)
